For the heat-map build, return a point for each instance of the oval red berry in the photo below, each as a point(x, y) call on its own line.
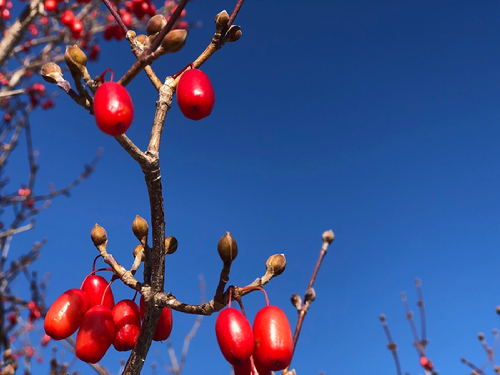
point(113, 108)
point(195, 95)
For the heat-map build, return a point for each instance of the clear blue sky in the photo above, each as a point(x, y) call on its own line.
point(377, 119)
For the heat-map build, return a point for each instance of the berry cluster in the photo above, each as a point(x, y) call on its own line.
point(5, 7)
point(100, 323)
point(265, 348)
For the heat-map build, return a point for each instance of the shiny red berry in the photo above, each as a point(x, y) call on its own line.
point(273, 339)
point(67, 18)
point(195, 94)
point(113, 108)
point(96, 334)
point(50, 5)
point(165, 323)
point(234, 336)
point(127, 319)
point(66, 314)
point(94, 286)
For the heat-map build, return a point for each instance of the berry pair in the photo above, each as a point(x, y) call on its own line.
point(265, 348)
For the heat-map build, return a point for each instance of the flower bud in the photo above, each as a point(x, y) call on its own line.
point(233, 34)
point(76, 61)
point(51, 72)
point(174, 40)
point(139, 250)
point(296, 301)
point(8, 370)
point(310, 295)
point(227, 248)
point(276, 264)
point(155, 24)
point(221, 21)
point(170, 245)
point(328, 237)
point(98, 235)
point(140, 228)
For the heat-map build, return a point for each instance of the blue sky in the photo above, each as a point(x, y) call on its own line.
point(378, 120)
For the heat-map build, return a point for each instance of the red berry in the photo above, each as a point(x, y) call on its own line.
point(126, 18)
point(6, 14)
point(95, 335)
point(273, 339)
point(76, 28)
point(113, 108)
point(426, 363)
point(195, 95)
point(67, 18)
point(127, 318)
point(66, 314)
point(94, 286)
point(118, 32)
point(109, 32)
point(50, 5)
point(234, 336)
point(165, 323)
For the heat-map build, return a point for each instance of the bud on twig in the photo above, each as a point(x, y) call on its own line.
point(233, 34)
point(77, 61)
point(8, 370)
point(221, 21)
point(174, 41)
point(139, 250)
point(140, 229)
point(296, 301)
point(328, 237)
point(227, 248)
point(276, 264)
point(52, 73)
point(155, 24)
point(170, 245)
point(99, 238)
point(310, 295)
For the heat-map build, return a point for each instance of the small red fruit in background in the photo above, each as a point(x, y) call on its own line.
point(165, 323)
point(234, 336)
point(76, 28)
point(96, 334)
point(67, 18)
point(113, 108)
point(94, 286)
point(66, 314)
point(50, 5)
point(195, 95)
point(273, 339)
point(426, 363)
point(127, 318)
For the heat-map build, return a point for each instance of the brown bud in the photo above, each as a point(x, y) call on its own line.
point(51, 72)
point(98, 235)
point(276, 264)
point(155, 24)
point(74, 55)
point(233, 34)
point(296, 301)
point(221, 21)
point(382, 317)
point(328, 237)
point(174, 40)
point(138, 250)
point(140, 228)
point(8, 370)
point(310, 295)
point(480, 336)
point(170, 245)
point(7, 354)
point(227, 247)
point(143, 39)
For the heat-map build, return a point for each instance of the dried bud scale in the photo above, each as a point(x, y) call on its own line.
point(227, 248)
point(170, 245)
point(140, 228)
